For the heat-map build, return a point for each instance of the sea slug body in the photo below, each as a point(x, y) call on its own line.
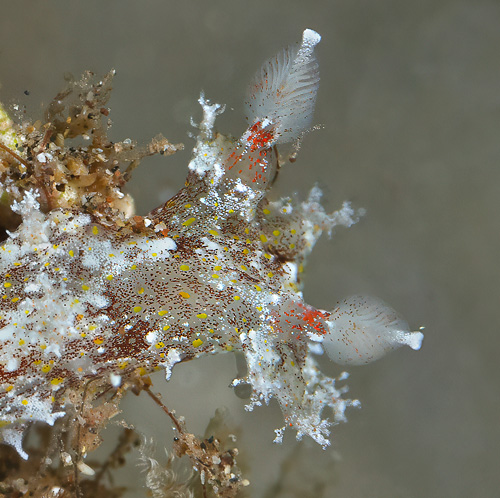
point(215, 269)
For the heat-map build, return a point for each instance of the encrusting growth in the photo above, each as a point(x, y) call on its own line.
point(90, 291)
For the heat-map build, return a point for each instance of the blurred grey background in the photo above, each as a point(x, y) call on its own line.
point(410, 107)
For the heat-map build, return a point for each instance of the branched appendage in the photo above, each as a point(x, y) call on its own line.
point(94, 297)
point(216, 465)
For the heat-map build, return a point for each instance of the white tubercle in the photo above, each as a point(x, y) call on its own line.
point(284, 90)
point(363, 329)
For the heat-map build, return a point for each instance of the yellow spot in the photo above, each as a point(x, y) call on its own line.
point(276, 233)
point(154, 254)
point(15, 300)
point(71, 253)
point(159, 345)
point(185, 295)
point(83, 334)
point(247, 231)
point(301, 268)
point(213, 232)
point(215, 275)
point(270, 275)
point(166, 327)
point(292, 363)
point(95, 230)
point(217, 268)
point(9, 388)
point(98, 340)
point(267, 256)
point(246, 251)
point(162, 312)
point(184, 267)
point(123, 365)
point(92, 327)
point(229, 347)
point(292, 246)
point(231, 211)
point(56, 381)
point(202, 315)
point(266, 211)
point(293, 231)
point(244, 268)
point(21, 342)
point(236, 298)
point(24, 402)
point(17, 264)
point(57, 269)
point(187, 206)
point(47, 264)
point(46, 368)
point(85, 287)
point(259, 308)
point(197, 343)
point(111, 255)
point(55, 246)
point(7, 284)
point(133, 267)
point(137, 309)
point(189, 221)
point(141, 290)
point(257, 288)
point(263, 238)
point(110, 277)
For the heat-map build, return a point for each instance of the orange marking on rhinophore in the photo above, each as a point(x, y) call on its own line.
point(237, 160)
point(314, 318)
point(259, 138)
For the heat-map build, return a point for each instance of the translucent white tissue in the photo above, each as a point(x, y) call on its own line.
point(363, 329)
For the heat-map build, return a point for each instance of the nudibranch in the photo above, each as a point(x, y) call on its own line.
point(213, 270)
